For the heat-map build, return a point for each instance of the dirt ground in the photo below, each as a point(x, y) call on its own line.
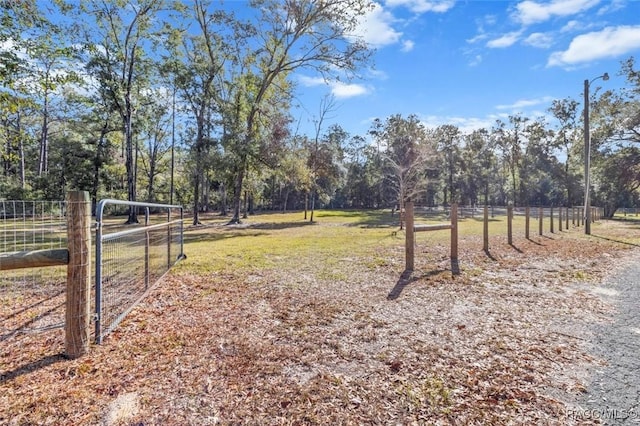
point(504, 342)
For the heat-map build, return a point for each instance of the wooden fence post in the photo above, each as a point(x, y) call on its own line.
point(485, 230)
point(540, 219)
point(551, 219)
point(78, 304)
point(560, 219)
point(454, 232)
point(566, 225)
point(526, 222)
point(510, 224)
point(409, 236)
point(147, 258)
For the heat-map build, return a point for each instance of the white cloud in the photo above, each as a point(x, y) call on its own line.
point(407, 46)
point(475, 61)
point(576, 26)
point(465, 124)
point(311, 81)
point(479, 37)
point(612, 6)
point(423, 6)
point(611, 42)
point(375, 28)
point(343, 90)
point(339, 89)
point(526, 103)
point(531, 12)
point(572, 25)
point(541, 40)
point(505, 41)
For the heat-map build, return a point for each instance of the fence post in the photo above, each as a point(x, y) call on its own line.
point(409, 236)
point(454, 232)
point(551, 219)
point(526, 222)
point(485, 230)
point(509, 223)
point(78, 305)
point(560, 219)
point(147, 243)
point(540, 219)
point(566, 222)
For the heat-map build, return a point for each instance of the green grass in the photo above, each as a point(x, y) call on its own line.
point(271, 240)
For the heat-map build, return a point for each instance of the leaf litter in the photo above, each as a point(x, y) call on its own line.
point(505, 342)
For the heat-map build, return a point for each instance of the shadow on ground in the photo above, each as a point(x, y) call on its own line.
point(408, 277)
point(31, 367)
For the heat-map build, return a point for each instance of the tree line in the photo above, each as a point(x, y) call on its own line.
point(190, 103)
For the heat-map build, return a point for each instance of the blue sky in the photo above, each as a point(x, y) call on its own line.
point(469, 63)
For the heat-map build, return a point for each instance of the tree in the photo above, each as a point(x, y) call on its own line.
point(155, 135)
point(618, 179)
point(406, 156)
point(479, 160)
point(119, 60)
point(567, 135)
point(509, 141)
point(624, 110)
point(327, 106)
point(448, 139)
point(197, 65)
point(538, 164)
point(289, 36)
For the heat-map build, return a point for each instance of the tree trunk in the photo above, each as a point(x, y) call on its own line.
point(223, 200)
point(306, 204)
point(246, 204)
point(131, 181)
point(97, 164)
point(44, 137)
point(284, 203)
point(23, 172)
point(196, 198)
point(237, 192)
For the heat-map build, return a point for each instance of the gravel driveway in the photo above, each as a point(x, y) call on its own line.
point(613, 394)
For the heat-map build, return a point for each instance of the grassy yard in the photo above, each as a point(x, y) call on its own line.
point(278, 321)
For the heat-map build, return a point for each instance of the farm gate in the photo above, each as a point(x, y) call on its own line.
point(42, 236)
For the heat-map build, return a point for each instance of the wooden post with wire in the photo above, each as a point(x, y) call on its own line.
point(510, 224)
point(540, 219)
point(78, 304)
point(409, 236)
point(527, 212)
point(411, 229)
point(485, 230)
point(560, 219)
point(454, 232)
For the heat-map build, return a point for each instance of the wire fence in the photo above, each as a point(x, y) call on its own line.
point(129, 259)
point(512, 222)
point(31, 299)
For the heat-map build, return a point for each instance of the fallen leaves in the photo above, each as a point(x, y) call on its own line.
point(502, 343)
